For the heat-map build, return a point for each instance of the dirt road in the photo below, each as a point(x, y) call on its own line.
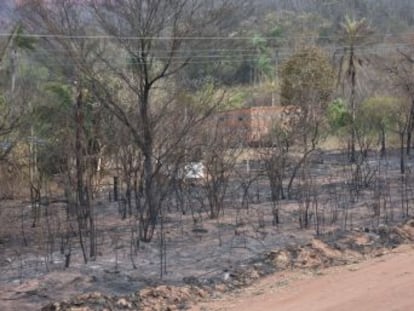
point(382, 284)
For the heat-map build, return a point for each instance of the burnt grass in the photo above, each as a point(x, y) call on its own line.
point(205, 257)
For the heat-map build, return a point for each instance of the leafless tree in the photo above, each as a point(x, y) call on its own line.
point(276, 158)
point(220, 153)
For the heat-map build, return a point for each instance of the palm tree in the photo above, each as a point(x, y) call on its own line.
point(353, 33)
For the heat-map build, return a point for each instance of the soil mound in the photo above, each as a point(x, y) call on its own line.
point(316, 254)
point(161, 298)
point(348, 249)
point(93, 302)
point(166, 298)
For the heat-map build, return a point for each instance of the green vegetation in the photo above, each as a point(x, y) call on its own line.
point(307, 79)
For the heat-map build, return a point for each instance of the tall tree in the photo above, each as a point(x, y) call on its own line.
point(353, 33)
point(308, 84)
point(403, 74)
point(62, 27)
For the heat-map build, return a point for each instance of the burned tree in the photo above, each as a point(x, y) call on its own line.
point(143, 45)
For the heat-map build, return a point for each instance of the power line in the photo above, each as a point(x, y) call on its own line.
point(220, 59)
point(228, 55)
point(188, 38)
point(160, 38)
point(252, 51)
point(217, 53)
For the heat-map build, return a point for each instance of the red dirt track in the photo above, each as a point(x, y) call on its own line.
point(382, 284)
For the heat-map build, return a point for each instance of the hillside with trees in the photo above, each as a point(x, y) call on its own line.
point(122, 149)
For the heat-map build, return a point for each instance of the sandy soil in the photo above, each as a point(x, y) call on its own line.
point(384, 283)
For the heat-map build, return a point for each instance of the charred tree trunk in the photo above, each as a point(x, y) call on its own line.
point(383, 147)
point(150, 210)
point(80, 204)
point(352, 74)
point(402, 154)
point(86, 223)
point(410, 128)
